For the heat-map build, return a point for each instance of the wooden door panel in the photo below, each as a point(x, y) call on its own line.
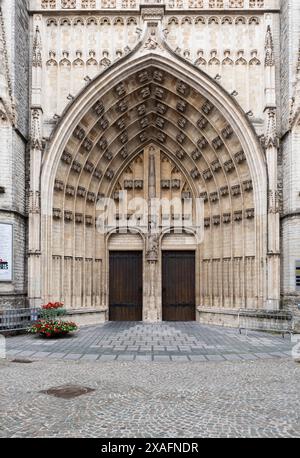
point(178, 279)
point(125, 286)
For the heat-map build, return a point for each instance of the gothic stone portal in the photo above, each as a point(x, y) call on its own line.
point(153, 136)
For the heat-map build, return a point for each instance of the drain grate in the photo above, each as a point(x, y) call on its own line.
point(68, 391)
point(23, 361)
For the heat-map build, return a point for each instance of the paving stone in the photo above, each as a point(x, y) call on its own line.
point(231, 357)
point(161, 358)
point(197, 358)
point(107, 357)
point(90, 356)
point(180, 358)
point(73, 356)
point(215, 357)
point(41, 354)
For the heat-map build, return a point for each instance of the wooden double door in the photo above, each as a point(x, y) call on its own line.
point(178, 286)
point(126, 286)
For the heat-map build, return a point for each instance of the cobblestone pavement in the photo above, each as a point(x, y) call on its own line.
point(153, 342)
point(258, 398)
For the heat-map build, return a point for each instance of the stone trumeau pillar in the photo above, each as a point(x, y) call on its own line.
point(14, 97)
point(290, 148)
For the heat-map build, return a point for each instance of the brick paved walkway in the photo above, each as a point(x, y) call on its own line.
point(180, 342)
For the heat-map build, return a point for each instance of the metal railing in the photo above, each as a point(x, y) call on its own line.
point(18, 319)
point(264, 320)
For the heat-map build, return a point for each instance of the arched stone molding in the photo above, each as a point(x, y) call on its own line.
point(192, 86)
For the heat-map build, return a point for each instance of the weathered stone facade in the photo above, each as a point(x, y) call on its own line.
point(174, 99)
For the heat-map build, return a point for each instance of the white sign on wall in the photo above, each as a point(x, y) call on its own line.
point(6, 251)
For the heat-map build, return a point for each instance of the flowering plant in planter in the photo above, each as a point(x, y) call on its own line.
point(53, 310)
point(51, 328)
point(50, 325)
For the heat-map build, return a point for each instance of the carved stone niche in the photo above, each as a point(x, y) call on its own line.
point(122, 106)
point(102, 143)
point(128, 184)
point(215, 165)
point(204, 196)
point(224, 191)
point(158, 76)
point(160, 122)
point(159, 93)
point(196, 155)
point(58, 185)
point(70, 190)
point(121, 124)
point(143, 77)
point(207, 107)
point(81, 192)
point(138, 184)
point(180, 154)
point(99, 108)
point(145, 92)
point(216, 220)
point(141, 110)
point(165, 184)
point(202, 142)
point(124, 138)
point(161, 137)
point(109, 174)
point(143, 137)
point(124, 153)
point(88, 220)
point(87, 145)
point(56, 213)
point(227, 132)
point(97, 174)
point(182, 88)
point(195, 173)
point(238, 215)
point(206, 223)
point(214, 197)
point(108, 155)
point(79, 133)
point(76, 167)
point(240, 157)
point(236, 190)
point(217, 143)
point(89, 167)
point(120, 90)
point(182, 123)
point(78, 218)
point(250, 213)
point(144, 123)
point(180, 138)
point(67, 157)
point(207, 175)
point(91, 197)
point(226, 218)
point(103, 123)
point(186, 195)
point(175, 183)
point(228, 166)
point(248, 185)
point(161, 108)
point(202, 122)
point(68, 216)
point(181, 106)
